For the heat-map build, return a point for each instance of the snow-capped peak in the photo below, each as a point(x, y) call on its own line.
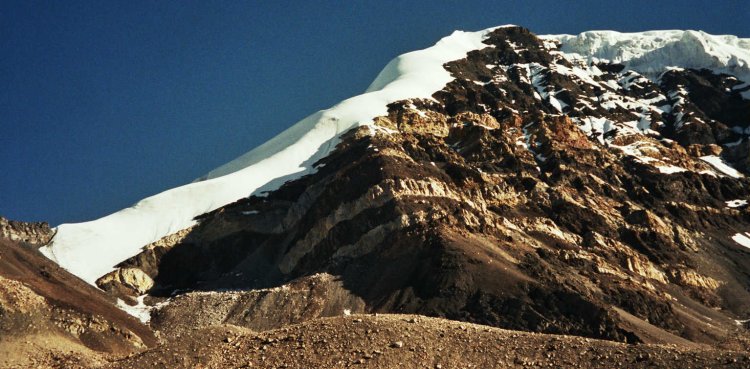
point(92, 249)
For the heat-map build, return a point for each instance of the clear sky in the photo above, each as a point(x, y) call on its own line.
point(103, 103)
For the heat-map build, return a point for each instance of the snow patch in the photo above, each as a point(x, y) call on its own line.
point(742, 238)
point(669, 169)
point(736, 203)
point(721, 166)
point(140, 310)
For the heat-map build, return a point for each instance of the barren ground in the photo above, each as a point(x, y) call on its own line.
point(409, 341)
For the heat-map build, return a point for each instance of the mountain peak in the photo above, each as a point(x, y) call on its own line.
point(492, 155)
point(592, 185)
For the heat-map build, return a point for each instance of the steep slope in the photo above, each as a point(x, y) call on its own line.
point(536, 190)
point(49, 316)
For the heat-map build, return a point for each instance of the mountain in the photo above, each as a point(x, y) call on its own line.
point(590, 185)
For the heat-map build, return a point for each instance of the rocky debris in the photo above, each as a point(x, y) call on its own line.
point(320, 295)
point(35, 234)
point(391, 341)
point(48, 352)
point(22, 312)
point(644, 268)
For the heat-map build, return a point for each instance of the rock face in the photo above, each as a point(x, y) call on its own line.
point(36, 234)
point(127, 281)
point(535, 192)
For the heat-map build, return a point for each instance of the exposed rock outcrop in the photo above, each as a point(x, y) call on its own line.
point(36, 234)
point(126, 281)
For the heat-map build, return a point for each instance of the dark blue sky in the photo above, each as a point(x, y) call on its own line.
point(104, 103)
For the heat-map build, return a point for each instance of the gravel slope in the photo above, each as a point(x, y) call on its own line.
point(410, 341)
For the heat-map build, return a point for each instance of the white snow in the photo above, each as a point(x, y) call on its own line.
point(592, 123)
point(721, 166)
point(582, 74)
point(742, 238)
point(669, 169)
point(556, 103)
point(595, 126)
point(652, 52)
point(543, 90)
point(140, 310)
point(91, 249)
point(736, 203)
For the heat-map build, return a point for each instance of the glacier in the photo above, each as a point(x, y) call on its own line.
point(653, 52)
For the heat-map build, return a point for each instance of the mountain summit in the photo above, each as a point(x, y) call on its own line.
point(590, 185)
point(416, 75)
